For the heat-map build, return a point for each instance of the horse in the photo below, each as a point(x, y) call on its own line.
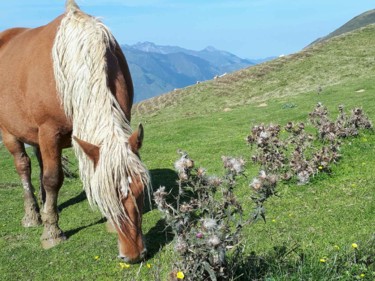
point(65, 84)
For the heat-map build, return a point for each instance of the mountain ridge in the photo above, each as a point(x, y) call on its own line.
point(357, 22)
point(320, 66)
point(159, 69)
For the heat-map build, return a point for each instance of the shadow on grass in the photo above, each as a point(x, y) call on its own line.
point(160, 235)
point(280, 260)
point(157, 237)
point(72, 201)
point(161, 177)
point(72, 232)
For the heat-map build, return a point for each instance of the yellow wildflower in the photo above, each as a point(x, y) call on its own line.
point(355, 246)
point(362, 275)
point(323, 260)
point(148, 265)
point(96, 258)
point(273, 220)
point(336, 247)
point(124, 265)
point(320, 167)
point(180, 275)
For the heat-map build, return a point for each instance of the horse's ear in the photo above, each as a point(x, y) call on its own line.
point(91, 150)
point(136, 139)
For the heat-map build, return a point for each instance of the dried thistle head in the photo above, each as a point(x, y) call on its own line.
point(209, 224)
point(160, 198)
point(233, 165)
point(183, 166)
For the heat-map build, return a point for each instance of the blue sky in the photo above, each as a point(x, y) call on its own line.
point(247, 28)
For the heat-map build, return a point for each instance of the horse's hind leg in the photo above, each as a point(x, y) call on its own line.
point(52, 180)
point(42, 193)
point(23, 167)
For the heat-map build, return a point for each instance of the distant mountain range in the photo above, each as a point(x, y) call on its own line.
point(160, 69)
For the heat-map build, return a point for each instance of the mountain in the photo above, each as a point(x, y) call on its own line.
point(158, 69)
point(359, 21)
point(341, 60)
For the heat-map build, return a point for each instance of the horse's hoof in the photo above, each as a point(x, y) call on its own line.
point(52, 236)
point(31, 220)
point(52, 242)
point(110, 227)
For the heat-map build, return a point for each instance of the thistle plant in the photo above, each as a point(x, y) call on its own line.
point(270, 149)
point(344, 125)
point(206, 217)
point(301, 155)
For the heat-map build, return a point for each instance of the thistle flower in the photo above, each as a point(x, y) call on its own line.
point(262, 175)
point(181, 245)
point(214, 241)
point(303, 177)
point(185, 208)
point(183, 176)
point(201, 172)
point(234, 165)
point(184, 163)
point(199, 235)
point(159, 198)
point(256, 184)
point(214, 181)
point(209, 224)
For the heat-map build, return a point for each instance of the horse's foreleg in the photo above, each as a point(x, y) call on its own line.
point(23, 167)
point(52, 180)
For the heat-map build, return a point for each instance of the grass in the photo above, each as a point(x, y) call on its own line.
point(336, 209)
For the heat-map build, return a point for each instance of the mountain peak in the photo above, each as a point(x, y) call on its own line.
point(147, 46)
point(210, 49)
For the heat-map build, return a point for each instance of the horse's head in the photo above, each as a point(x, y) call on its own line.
point(129, 224)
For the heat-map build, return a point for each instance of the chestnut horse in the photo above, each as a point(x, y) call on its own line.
point(68, 83)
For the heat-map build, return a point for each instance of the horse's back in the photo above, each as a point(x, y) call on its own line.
point(27, 85)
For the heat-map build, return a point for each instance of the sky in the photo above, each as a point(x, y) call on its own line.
point(250, 29)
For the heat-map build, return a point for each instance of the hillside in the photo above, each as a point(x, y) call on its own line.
point(160, 69)
point(357, 22)
point(342, 59)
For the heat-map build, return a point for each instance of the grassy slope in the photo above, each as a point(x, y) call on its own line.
point(332, 210)
point(359, 21)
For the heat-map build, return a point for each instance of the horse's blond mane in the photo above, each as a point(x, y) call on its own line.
point(80, 69)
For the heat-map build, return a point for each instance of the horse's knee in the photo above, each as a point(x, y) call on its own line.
point(23, 163)
point(52, 180)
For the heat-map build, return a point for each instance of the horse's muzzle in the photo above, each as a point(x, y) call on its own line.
point(141, 257)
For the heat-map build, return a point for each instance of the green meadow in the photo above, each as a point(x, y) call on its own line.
point(323, 230)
